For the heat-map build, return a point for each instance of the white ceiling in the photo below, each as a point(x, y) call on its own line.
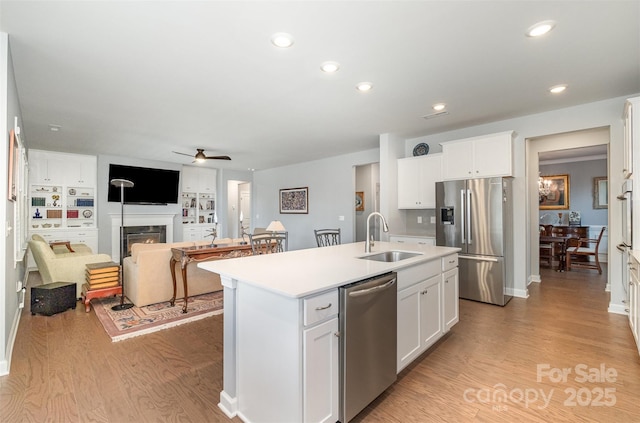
point(142, 79)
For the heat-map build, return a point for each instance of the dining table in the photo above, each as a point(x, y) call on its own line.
point(561, 242)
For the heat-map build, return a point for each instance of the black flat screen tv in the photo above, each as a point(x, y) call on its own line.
point(150, 186)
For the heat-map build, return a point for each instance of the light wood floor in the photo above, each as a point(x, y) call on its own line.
point(65, 369)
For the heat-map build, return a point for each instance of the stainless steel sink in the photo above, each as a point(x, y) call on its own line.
point(390, 256)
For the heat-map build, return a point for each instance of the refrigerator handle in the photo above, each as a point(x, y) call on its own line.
point(468, 210)
point(462, 207)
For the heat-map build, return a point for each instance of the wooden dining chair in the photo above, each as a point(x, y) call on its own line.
point(546, 248)
point(587, 248)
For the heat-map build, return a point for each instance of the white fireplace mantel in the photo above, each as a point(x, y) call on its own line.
point(135, 219)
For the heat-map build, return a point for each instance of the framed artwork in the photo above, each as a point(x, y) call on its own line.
point(359, 200)
point(600, 192)
point(294, 200)
point(13, 166)
point(558, 196)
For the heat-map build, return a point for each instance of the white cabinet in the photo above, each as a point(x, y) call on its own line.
point(46, 167)
point(478, 157)
point(450, 299)
point(321, 372)
point(417, 177)
point(426, 240)
point(198, 202)
point(427, 306)
point(199, 179)
point(634, 298)
point(631, 118)
point(419, 319)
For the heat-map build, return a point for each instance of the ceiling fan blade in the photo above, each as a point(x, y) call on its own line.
point(218, 158)
point(184, 154)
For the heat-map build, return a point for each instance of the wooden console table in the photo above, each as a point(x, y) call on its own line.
point(186, 255)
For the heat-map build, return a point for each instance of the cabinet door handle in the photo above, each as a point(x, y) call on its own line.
point(336, 334)
point(323, 308)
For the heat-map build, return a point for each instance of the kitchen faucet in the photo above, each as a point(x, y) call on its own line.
point(369, 241)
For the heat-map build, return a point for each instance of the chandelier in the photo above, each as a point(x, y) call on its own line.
point(544, 187)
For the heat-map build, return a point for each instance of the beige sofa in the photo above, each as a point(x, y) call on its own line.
point(147, 277)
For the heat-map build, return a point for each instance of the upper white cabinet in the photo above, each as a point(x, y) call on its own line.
point(478, 157)
point(199, 179)
point(417, 177)
point(631, 119)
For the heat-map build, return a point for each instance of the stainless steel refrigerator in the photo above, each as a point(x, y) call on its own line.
point(476, 215)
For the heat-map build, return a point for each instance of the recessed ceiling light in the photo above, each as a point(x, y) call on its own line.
point(557, 89)
point(330, 67)
point(540, 28)
point(282, 40)
point(364, 86)
point(54, 128)
point(439, 107)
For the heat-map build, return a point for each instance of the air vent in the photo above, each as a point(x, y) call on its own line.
point(436, 114)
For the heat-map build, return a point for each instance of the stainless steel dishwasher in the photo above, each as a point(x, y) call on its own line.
point(368, 342)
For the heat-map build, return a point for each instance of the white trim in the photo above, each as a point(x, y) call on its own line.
point(5, 365)
point(228, 405)
point(138, 219)
point(618, 309)
point(534, 278)
point(520, 293)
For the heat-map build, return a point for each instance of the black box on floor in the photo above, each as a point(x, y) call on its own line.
point(53, 298)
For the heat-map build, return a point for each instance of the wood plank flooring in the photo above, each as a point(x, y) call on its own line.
point(65, 368)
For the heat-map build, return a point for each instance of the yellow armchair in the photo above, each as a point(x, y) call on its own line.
point(63, 267)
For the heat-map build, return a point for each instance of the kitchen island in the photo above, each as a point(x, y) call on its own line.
point(281, 359)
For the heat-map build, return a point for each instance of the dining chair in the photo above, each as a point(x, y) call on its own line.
point(546, 248)
point(268, 243)
point(326, 237)
point(580, 248)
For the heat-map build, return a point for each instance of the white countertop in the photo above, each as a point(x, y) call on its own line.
point(304, 272)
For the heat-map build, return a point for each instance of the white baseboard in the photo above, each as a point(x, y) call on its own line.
point(228, 405)
point(534, 278)
point(618, 309)
point(6, 364)
point(520, 293)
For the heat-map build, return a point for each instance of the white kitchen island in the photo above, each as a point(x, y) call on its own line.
point(281, 361)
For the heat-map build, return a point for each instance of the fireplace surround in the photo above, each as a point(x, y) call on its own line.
point(140, 220)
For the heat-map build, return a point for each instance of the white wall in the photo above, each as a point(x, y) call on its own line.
point(12, 271)
point(606, 113)
point(331, 184)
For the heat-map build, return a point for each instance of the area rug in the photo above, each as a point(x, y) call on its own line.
point(138, 321)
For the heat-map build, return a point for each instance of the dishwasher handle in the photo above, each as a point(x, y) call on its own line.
point(372, 290)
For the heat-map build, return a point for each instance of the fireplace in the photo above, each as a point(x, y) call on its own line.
point(145, 220)
point(143, 234)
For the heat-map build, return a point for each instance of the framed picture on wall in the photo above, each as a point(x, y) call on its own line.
point(294, 200)
point(359, 200)
point(554, 192)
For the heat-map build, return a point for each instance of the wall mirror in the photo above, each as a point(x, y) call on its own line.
point(600, 192)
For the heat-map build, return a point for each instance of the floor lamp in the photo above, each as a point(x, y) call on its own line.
point(122, 183)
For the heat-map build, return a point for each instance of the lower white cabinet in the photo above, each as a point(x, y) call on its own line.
point(427, 306)
point(321, 372)
point(196, 232)
point(419, 319)
point(450, 299)
point(634, 299)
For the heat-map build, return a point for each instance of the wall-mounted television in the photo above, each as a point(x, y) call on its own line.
point(150, 186)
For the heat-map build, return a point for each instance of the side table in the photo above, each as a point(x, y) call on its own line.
point(88, 294)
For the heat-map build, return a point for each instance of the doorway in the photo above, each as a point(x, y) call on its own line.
point(581, 157)
point(238, 208)
point(367, 183)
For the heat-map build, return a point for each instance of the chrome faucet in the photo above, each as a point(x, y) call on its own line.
point(369, 241)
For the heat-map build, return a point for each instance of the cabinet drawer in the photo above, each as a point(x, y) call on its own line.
point(418, 273)
point(412, 240)
point(320, 307)
point(449, 262)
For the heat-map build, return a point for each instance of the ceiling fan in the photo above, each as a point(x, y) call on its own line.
point(201, 157)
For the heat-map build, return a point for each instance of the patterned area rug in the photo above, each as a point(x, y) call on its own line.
point(138, 321)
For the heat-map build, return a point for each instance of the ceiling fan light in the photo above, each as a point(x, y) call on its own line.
point(540, 28)
point(557, 89)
